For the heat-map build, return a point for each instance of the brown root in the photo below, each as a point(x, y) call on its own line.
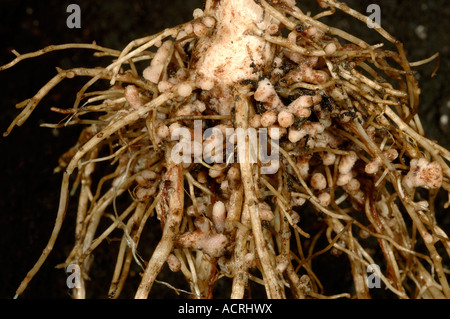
point(349, 165)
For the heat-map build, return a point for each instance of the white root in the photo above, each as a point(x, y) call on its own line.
point(154, 71)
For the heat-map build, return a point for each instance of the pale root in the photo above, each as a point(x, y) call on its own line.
point(154, 71)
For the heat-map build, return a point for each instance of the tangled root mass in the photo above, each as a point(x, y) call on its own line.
point(354, 174)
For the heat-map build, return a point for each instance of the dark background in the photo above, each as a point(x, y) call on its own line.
point(29, 190)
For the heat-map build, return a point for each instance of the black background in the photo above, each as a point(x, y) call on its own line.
point(29, 191)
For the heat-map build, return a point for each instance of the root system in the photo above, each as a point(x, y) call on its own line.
point(354, 175)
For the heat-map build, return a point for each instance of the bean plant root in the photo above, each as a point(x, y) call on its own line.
point(348, 169)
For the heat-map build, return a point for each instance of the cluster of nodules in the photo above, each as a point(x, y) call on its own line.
point(177, 82)
point(291, 123)
point(305, 125)
point(304, 122)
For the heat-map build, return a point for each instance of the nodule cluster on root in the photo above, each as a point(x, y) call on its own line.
point(183, 118)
